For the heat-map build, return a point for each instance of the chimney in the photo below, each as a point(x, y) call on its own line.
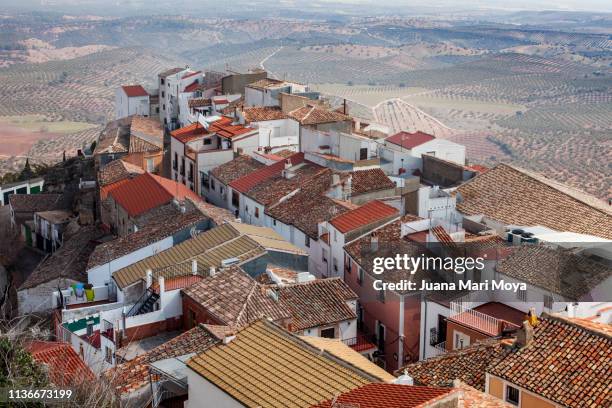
point(194, 266)
point(162, 284)
point(212, 271)
point(335, 179)
point(374, 242)
point(149, 278)
point(524, 335)
point(287, 164)
point(228, 339)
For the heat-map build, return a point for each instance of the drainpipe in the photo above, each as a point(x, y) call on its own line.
point(400, 343)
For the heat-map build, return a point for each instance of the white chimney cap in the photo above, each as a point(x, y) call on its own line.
point(404, 379)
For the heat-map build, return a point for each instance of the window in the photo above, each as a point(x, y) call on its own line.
point(162, 81)
point(335, 262)
point(329, 333)
point(163, 94)
point(521, 295)
point(348, 265)
point(256, 212)
point(236, 199)
point(191, 318)
point(307, 241)
point(324, 255)
point(175, 164)
point(548, 301)
point(461, 340)
point(150, 165)
point(90, 329)
point(108, 355)
point(164, 108)
point(274, 222)
point(363, 153)
point(360, 276)
point(212, 183)
point(512, 395)
point(207, 141)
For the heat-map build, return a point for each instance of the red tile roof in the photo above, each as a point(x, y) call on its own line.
point(410, 140)
point(190, 132)
point(244, 184)
point(105, 190)
point(222, 127)
point(381, 395)
point(566, 362)
point(366, 214)
point(192, 87)
point(65, 366)
point(148, 191)
point(133, 91)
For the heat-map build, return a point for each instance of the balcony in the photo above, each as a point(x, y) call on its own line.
point(107, 330)
point(490, 318)
point(73, 298)
point(362, 343)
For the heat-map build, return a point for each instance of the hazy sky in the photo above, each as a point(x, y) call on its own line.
point(372, 6)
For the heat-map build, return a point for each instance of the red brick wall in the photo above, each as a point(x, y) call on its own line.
point(152, 329)
point(450, 333)
point(201, 316)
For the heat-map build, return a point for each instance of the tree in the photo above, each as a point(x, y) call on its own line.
point(27, 172)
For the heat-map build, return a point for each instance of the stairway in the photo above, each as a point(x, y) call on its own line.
point(148, 304)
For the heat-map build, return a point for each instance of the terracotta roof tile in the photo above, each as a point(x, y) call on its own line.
point(134, 91)
point(557, 270)
point(168, 222)
point(199, 102)
point(148, 191)
point(366, 214)
point(235, 169)
point(235, 299)
point(263, 113)
point(313, 115)
point(68, 262)
point(410, 140)
point(266, 366)
point(306, 209)
point(245, 183)
point(468, 365)
point(36, 202)
point(65, 366)
point(566, 362)
point(117, 170)
point(515, 196)
point(266, 83)
point(367, 181)
point(273, 189)
point(379, 395)
point(134, 374)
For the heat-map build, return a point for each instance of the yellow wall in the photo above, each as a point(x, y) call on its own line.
point(496, 387)
point(532, 401)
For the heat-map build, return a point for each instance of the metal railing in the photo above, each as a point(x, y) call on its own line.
point(108, 330)
point(475, 319)
point(439, 348)
point(361, 343)
point(141, 301)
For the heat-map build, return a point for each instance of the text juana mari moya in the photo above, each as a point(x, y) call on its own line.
point(459, 265)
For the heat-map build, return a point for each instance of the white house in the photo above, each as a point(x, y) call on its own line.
point(200, 147)
point(266, 92)
point(402, 152)
point(171, 84)
point(277, 131)
point(131, 100)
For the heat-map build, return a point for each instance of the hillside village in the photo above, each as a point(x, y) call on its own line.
point(218, 247)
